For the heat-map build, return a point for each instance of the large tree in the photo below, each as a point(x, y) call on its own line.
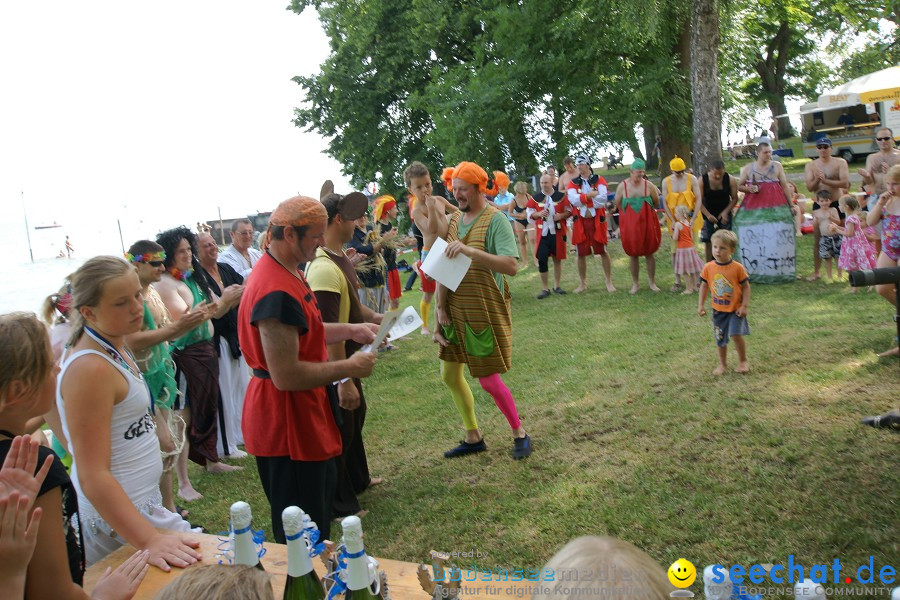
point(774, 49)
point(707, 140)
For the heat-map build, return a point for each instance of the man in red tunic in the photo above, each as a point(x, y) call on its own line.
point(289, 410)
point(587, 195)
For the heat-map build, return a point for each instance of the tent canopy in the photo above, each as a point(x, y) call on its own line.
point(879, 86)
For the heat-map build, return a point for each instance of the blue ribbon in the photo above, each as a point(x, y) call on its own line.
point(225, 543)
point(291, 538)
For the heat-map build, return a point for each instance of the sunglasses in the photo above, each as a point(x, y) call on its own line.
point(882, 139)
point(822, 147)
point(156, 263)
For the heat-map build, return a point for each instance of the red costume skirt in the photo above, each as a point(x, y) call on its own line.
point(639, 225)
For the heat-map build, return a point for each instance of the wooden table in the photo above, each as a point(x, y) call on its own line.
point(402, 577)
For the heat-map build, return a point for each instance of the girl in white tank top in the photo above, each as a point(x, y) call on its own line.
point(104, 403)
point(134, 461)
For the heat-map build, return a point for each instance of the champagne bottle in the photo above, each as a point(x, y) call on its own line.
point(302, 581)
point(244, 546)
point(359, 577)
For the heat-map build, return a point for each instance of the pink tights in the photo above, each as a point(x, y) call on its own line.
point(503, 398)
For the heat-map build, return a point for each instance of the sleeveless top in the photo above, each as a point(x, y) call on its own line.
point(636, 202)
point(134, 448)
point(716, 201)
point(480, 333)
point(684, 237)
point(201, 332)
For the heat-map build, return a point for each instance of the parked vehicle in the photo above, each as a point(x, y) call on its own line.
point(850, 114)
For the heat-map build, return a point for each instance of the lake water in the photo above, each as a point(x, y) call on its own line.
point(25, 284)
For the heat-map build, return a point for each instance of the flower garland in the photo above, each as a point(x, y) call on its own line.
point(146, 258)
point(179, 274)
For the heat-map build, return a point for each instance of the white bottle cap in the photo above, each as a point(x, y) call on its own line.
point(352, 528)
point(240, 515)
point(292, 520)
point(713, 590)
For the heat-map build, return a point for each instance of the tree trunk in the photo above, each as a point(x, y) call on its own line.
point(707, 104)
point(650, 132)
point(672, 134)
point(783, 125)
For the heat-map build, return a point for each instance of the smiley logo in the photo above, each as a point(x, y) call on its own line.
point(682, 573)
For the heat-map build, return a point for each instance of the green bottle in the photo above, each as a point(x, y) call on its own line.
point(302, 581)
point(360, 579)
point(244, 546)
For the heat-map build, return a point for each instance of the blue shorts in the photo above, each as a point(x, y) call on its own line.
point(727, 324)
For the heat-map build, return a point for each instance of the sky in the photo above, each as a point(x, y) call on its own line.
point(150, 115)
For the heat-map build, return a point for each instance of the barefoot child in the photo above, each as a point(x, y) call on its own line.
point(857, 252)
point(418, 182)
point(887, 211)
point(729, 284)
point(687, 261)
point(829, 243)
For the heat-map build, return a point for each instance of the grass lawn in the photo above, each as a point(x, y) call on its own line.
point(635, 438)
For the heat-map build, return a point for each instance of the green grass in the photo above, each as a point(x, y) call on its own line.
point(635, 438)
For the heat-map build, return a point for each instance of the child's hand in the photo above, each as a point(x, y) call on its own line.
point(701, 311)
point(741, 311)
point(124, 581)
point(17, 474)
point(832, 229)
point(18, 537)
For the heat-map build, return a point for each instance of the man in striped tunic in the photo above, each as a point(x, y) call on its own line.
point(475, 322)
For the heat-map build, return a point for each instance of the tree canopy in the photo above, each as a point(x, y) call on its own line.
point(515, 85)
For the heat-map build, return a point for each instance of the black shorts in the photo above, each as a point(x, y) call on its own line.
point(710, 228)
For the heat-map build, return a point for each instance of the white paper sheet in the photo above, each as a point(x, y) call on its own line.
point(449, 272)
point(395, 324)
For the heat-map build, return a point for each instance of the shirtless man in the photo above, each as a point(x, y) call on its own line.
point(825, 173)
point(763, 164)
point(878, 163)
point(418, 182)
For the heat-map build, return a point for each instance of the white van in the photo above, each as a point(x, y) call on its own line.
point(850, 114)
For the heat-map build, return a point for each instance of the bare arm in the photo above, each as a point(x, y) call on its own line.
point(843, 180)
point(701, 298)
point(620, 193)
point(281, 347)
point(745, 300)
point(508, 265)
point(785, 186)
point(173, 330)
point(90, 388)
point(437, 222)
point(48, 572)
point(703, 209)
point(812, 180)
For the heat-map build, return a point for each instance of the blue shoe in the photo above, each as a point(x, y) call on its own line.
point(521, 447)
point(465, 448)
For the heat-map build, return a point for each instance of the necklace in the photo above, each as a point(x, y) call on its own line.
point(113, 352)
point(179, 274)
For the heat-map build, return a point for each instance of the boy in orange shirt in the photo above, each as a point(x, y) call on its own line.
point(729, 283)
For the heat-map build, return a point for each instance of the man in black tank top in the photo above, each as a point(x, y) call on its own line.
point(718, 195)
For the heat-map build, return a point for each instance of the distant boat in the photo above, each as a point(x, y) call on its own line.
point(54, 226)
